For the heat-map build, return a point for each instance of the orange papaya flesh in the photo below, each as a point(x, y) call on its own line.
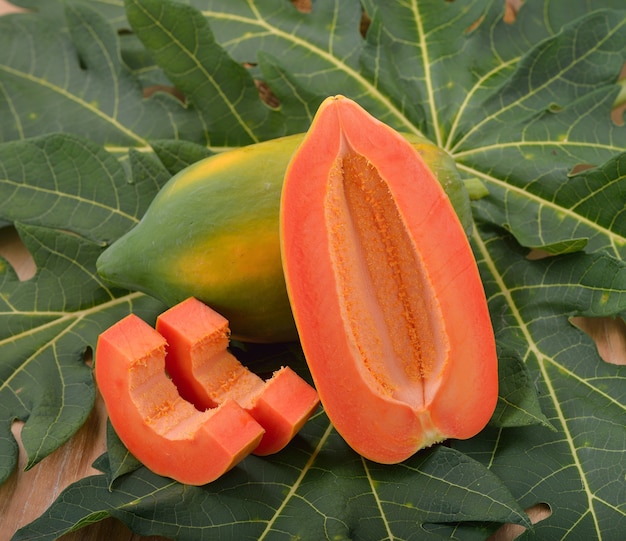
point(161, 429)
point(204, 371)
point(212, 232)
point(384, 289)
point(282, 409)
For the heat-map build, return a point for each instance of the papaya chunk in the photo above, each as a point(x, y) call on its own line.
point(384, 289)
point(161, 429)
point(207, 375)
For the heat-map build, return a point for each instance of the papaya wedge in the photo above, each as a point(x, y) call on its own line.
point(161, 429)
point(212, 232)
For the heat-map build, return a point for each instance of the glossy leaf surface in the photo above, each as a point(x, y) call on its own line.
point(523, 106)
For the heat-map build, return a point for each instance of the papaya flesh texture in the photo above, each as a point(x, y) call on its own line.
point(384, 289)
point(207, 374)
point(212, 232)
point(161, 429)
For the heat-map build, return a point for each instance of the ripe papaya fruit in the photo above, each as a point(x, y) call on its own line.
point(212, 233)
point(384, 288)
point(165, 432)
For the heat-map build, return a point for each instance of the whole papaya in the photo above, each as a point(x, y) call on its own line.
point(212, 232)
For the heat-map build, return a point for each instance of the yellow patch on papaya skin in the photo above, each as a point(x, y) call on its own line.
point(227, 164)
point(199, 173)
point(206, 262)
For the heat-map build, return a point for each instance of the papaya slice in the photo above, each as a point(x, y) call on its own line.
point(161, 429)
point(207, 374)
point(384, 289)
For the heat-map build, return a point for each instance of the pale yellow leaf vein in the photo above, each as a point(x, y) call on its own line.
point(541, 362)
point(109, 63)
point(70, 319)
point(14, 113)
point(73, 98)
point(379, 505)
point(614, 238)
point(73, 199)
point(296, 485)
point(337, 63)
point(426, 61)
point(469, 95)
point(563, 144)
point(613, 400)
point(545, 84)
point(193, 57)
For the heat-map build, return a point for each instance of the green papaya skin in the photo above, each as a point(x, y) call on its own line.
point(212, 232)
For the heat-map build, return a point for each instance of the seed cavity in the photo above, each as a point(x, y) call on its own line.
point(390, 311)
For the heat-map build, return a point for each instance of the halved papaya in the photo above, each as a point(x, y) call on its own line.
point(384, 289)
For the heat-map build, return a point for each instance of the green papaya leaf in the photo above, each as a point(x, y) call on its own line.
point(316, 489)
point(79, 187)
point(145, 168)
point(176, 155)
point(48, 324)
point(320, 50)
point(526, 109)
point(221, 89)
point(75, 201)
point(581, 396)
point(585, 212)
point(565, 122)
point(54, 10)
point(518, 402)
point(118, 460)
point(75, 81)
